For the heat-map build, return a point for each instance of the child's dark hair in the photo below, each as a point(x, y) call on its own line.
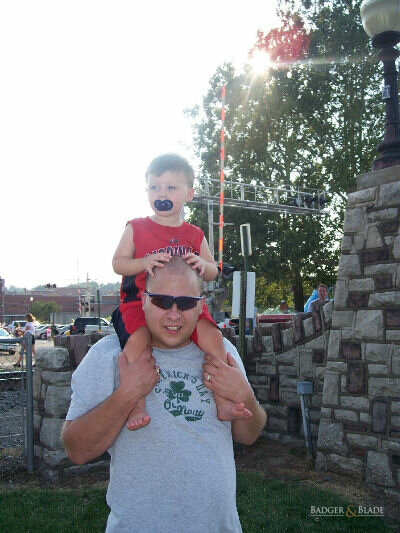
point(173, 162)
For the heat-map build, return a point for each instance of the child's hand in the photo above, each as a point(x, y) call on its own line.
point(155, 260)
point(196, 262)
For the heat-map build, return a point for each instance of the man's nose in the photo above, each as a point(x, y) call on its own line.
point(173, 312)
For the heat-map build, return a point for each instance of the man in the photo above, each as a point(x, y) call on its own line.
point(322, 296)
point(54, 331)
point(176, 474)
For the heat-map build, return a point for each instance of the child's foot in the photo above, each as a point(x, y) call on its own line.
point(138, 418)
point(227, 410)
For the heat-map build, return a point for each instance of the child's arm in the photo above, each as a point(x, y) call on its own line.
point(204, 262)
point(123, 262)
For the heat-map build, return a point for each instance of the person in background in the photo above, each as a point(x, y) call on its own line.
point(283, 307)
point(321, 296)
point(54, 331)
point(19, 333)
point(30, 326)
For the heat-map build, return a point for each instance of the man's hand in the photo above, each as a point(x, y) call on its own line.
point(155, 260)
point(196, 262)
point(226, 379)
point(139, 377)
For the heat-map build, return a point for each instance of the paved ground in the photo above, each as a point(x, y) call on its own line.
point(7, 360)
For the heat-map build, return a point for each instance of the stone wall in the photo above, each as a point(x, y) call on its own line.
point(359, 431)
point(279, 357)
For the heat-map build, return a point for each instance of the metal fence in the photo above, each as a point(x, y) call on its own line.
point(16, 403)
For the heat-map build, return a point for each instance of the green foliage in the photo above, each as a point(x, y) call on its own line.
point(93, 285)
point(309, 122)
point(17, 290)
point(42, 310)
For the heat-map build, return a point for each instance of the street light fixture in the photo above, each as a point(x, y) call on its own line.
point(381, 21)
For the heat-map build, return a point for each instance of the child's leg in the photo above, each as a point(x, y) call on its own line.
point(133, 348)
point(210, 340)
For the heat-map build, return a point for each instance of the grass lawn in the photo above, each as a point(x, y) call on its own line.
point(268, 506)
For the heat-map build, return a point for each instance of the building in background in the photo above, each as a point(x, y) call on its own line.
point(72, 301)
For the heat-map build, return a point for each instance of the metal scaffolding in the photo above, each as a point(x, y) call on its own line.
point(270, 198)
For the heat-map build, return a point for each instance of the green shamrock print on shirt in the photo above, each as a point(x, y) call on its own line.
point(177, 397)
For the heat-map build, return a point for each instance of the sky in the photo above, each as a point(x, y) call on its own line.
point(91, 92)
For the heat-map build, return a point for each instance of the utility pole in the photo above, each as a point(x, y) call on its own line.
point(98, 308)
point(87, 294)
point(2, 290)
point(246, 251)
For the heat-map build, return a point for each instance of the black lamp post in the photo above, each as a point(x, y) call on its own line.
point(381, 21)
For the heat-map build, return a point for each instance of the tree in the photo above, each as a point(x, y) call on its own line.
point(306, 123)
point(43, 310)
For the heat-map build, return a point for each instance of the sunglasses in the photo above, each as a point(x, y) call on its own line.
point(165, 302)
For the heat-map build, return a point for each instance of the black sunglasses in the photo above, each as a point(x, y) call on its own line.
point(166, 302)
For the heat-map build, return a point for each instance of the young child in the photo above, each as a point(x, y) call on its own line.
point(150, 242)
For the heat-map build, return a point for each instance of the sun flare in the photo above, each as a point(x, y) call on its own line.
point(260, 61)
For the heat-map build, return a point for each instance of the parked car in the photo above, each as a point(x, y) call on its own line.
point(78, 327)
point(40, 332)
point(92, 328)
point(273, 318)
point(62, 329)
point(6, 348)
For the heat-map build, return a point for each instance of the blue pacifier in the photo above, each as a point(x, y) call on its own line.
point(163, 205)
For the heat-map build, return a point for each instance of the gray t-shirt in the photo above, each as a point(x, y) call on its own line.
point(178, 473)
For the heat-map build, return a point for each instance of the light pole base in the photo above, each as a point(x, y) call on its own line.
point(385, 162)
point(390, 155)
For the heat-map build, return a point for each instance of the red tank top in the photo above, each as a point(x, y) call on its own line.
point(152, 238)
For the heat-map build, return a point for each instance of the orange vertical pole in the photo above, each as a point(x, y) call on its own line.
point(222, 178)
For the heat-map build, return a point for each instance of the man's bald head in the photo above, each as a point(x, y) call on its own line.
point(171, 327)
point(175, 267)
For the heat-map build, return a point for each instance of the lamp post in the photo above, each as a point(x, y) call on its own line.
point(381, 21)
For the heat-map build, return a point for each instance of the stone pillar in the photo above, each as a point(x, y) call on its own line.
point(51, 399)
point(359, 431)
point(51, 396)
